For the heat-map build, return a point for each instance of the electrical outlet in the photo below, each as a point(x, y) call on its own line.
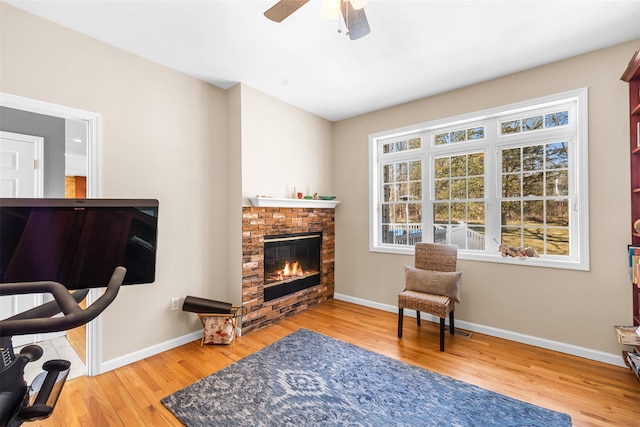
point(175, 304)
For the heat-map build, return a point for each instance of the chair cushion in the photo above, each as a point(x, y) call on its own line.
point(438, 305)
point(433, 282)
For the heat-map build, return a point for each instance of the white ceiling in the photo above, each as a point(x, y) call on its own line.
point(415, 49)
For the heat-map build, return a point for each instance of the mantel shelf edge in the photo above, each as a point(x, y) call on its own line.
point(272, 202)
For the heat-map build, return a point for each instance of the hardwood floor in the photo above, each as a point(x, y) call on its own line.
point(77, 337)
point(592, 393)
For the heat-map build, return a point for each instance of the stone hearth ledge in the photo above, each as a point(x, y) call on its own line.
point(272, 202)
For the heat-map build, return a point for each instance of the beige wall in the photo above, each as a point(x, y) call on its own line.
point(283, 147)
point(577, 308)
point(163, 136)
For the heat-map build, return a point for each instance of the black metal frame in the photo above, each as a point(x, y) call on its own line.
point(15, 395)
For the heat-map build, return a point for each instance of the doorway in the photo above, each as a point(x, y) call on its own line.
point(86, 338)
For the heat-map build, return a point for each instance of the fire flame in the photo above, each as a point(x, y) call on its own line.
point(291, 270)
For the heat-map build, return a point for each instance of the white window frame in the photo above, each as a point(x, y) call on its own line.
point(577, 100)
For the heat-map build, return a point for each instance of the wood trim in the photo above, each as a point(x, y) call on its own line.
point(75, 187)
point(633, 69)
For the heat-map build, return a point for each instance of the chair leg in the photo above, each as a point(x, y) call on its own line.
point(452, 329)
point(400, 317)
point(442, 334)
point(418, 317)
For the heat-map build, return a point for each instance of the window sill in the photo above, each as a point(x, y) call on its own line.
point(544, 262)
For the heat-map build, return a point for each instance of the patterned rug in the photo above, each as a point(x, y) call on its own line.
point(308, 379)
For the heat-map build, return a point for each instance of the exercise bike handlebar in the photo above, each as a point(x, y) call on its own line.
point(38, 320)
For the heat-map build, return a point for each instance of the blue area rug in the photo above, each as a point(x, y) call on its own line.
point(308, 379)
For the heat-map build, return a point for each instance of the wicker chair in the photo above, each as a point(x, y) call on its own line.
point(435, 258)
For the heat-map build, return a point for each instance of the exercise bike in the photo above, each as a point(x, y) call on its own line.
point(20, 402)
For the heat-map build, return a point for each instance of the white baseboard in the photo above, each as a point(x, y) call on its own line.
point(587, 353)
point(600, 356)
point(148, 352)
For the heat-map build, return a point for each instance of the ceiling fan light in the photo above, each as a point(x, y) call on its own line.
point(358, 4)
point(330, 9)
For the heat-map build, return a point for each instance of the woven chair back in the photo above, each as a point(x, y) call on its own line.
point(436, 256)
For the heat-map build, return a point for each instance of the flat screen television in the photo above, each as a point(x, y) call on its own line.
point(78, 242)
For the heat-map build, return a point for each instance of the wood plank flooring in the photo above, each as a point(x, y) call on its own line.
point(592, 393)
point(77, 337)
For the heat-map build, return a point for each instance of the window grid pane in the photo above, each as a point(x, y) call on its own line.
point(413, 143)
point(401, 210)
point(459, 135)
point(531, 123)
point(535, 198)
point(459, 208)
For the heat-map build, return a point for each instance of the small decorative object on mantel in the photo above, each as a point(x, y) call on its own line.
point(520, 252)
point(636, 225)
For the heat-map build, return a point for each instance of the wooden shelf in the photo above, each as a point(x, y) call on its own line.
point(632, 76)
point(633, 69)
point(634, 369)
point(294, 203)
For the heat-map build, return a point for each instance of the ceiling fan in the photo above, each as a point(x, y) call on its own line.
point(352, 12)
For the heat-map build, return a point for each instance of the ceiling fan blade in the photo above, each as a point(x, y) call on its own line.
point(355, 20)
point(279, 11)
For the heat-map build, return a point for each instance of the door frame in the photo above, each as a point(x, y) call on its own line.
point(93, 359)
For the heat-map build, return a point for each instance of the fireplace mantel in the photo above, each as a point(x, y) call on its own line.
point(272, 202)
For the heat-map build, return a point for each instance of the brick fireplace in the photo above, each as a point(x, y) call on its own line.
point(258, 222)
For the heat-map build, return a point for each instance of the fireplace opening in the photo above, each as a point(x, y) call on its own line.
point(291, 263)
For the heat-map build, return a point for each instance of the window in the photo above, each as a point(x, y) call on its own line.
point(458, 198)
point(402, 204)
point(534, 198)
point(514, 175)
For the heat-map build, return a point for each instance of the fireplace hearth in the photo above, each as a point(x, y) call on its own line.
point(291, 263)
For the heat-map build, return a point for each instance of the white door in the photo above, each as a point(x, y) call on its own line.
point(21, 165)
point(20, 176)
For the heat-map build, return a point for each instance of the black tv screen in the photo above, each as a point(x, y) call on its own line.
point(78, 242)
